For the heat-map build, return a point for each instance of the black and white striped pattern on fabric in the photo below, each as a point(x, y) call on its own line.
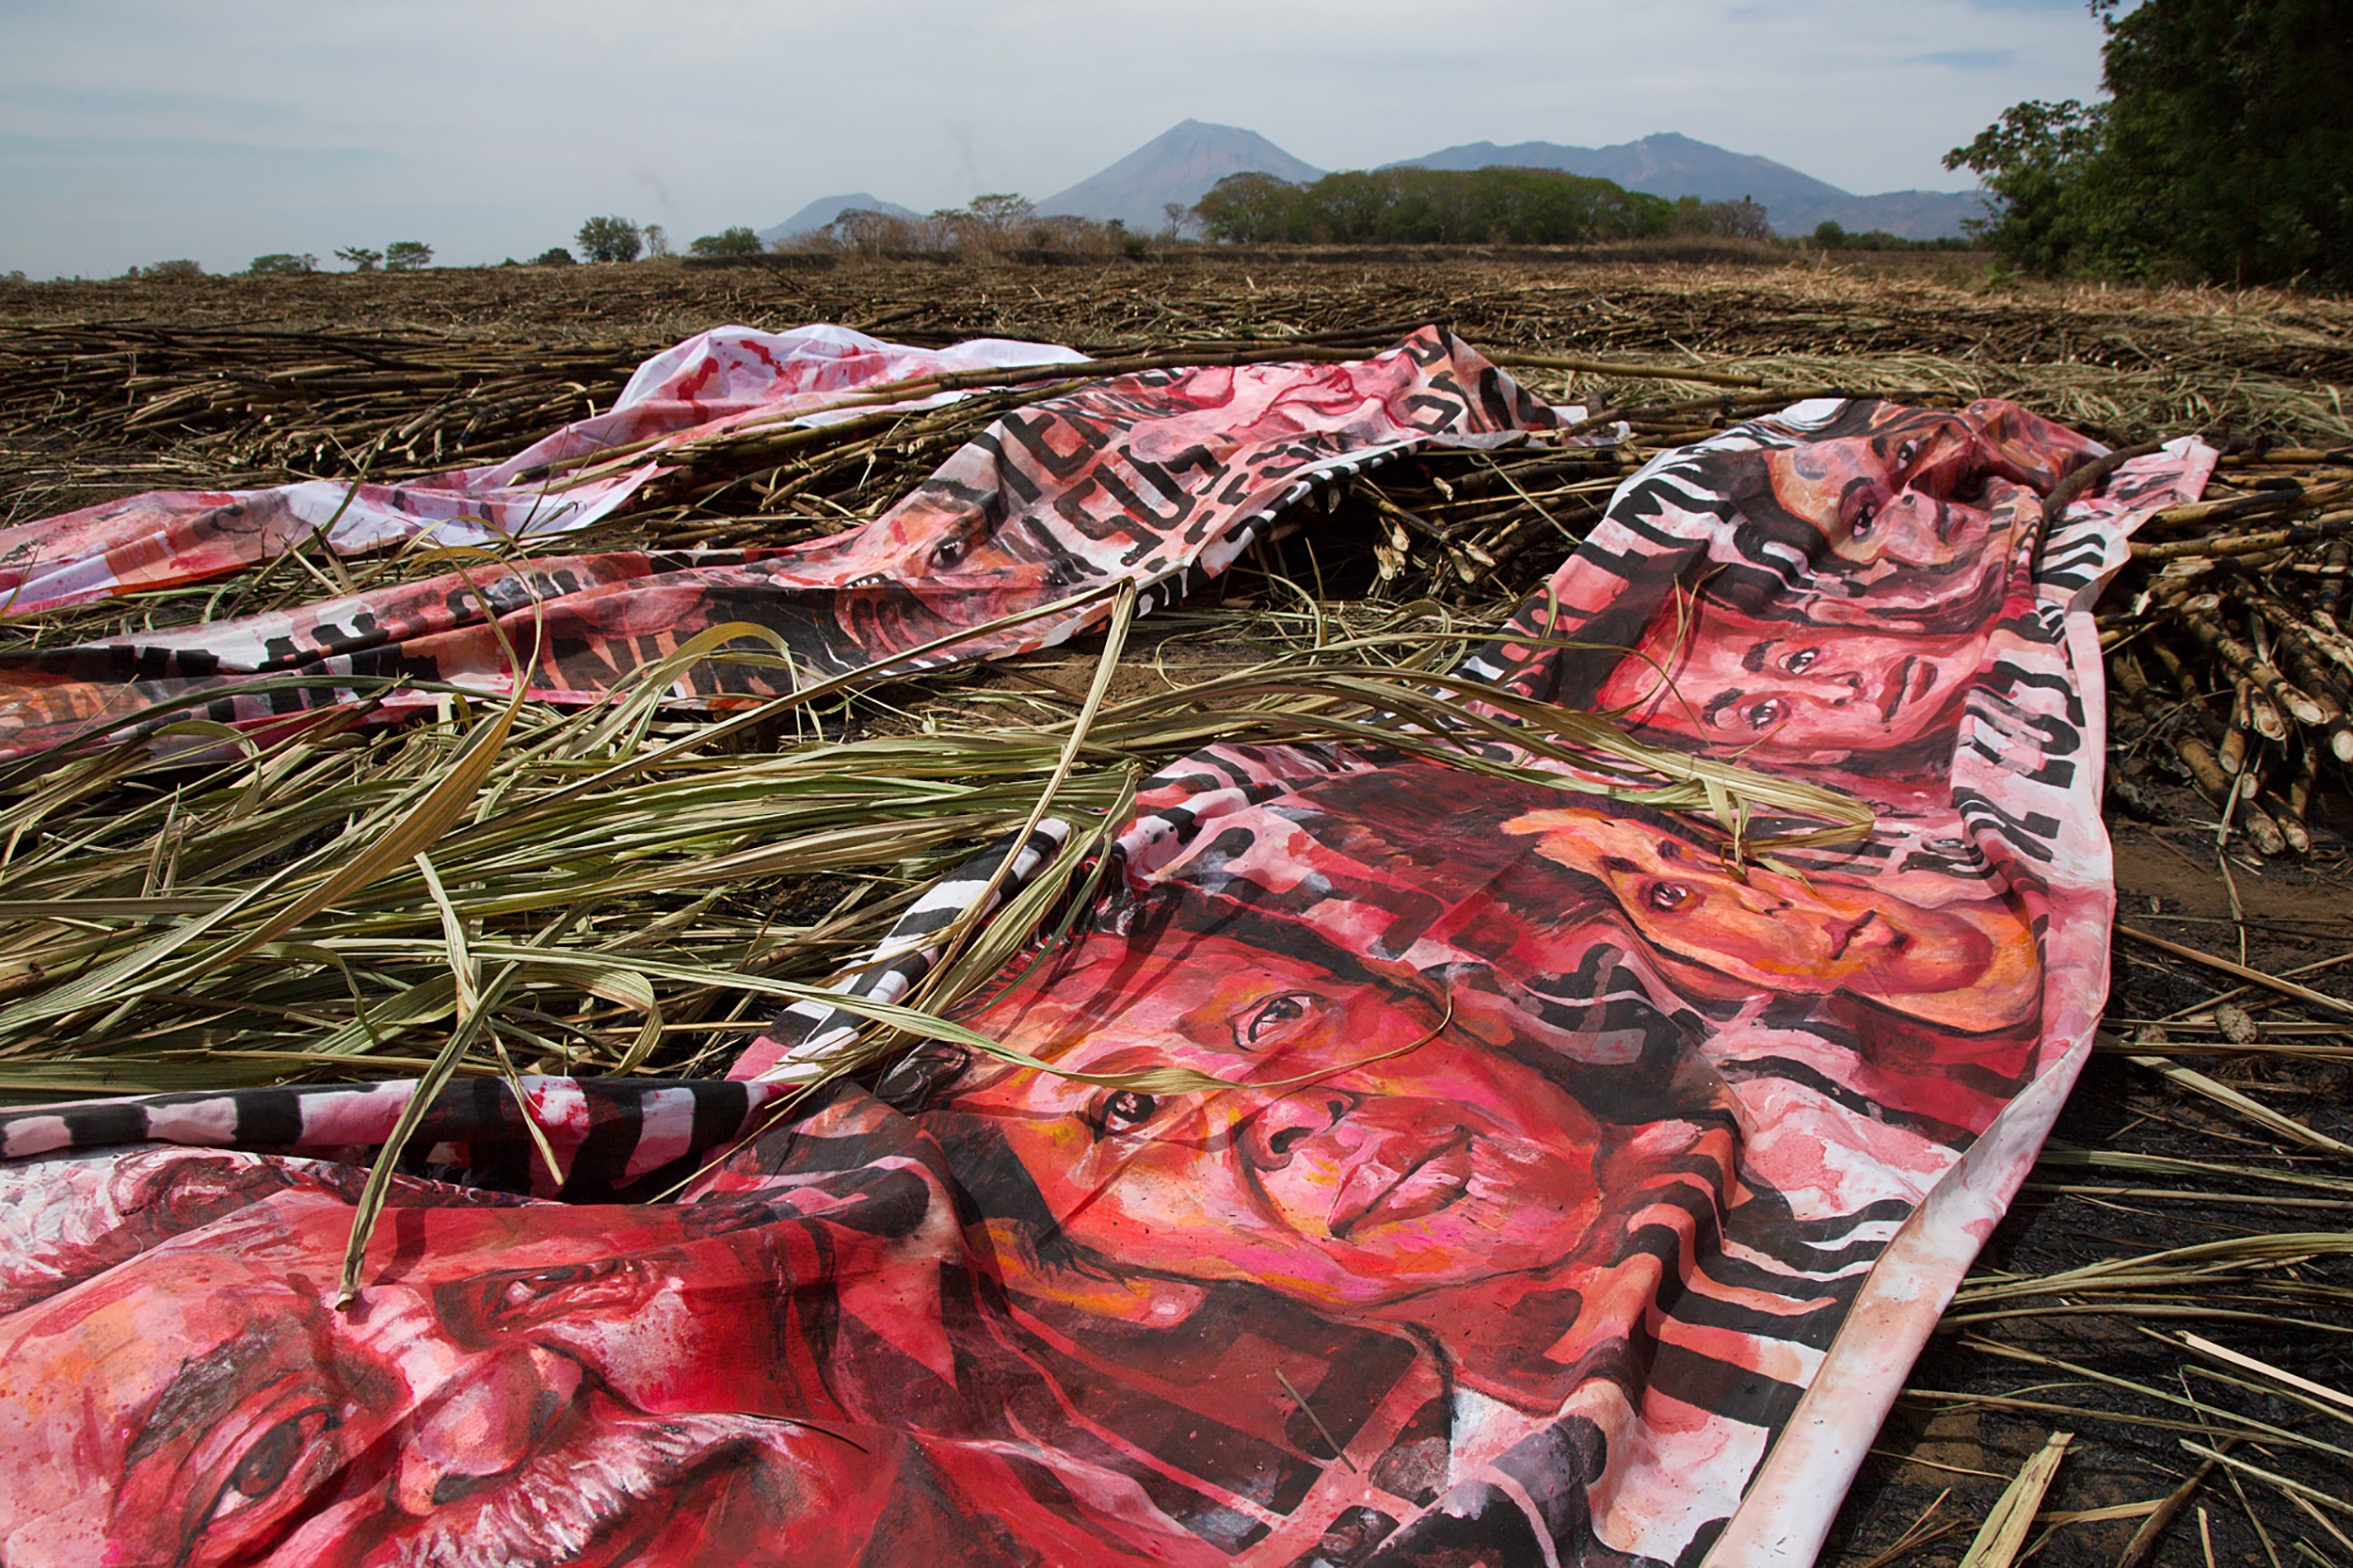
point(795, 1047)
point(617, 1139)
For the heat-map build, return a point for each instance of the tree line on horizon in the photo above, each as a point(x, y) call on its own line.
point(398, 256)
point(1431, 206)
point(1507, 206)
point(1401, 206)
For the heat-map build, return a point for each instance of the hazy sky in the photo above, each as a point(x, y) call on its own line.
point(132, 131)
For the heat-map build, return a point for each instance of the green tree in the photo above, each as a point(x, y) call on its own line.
point(2036, 162)
point(284, 261)
point(1002, 211)
point(1248, 209)
point(2230, 134)
point(1741, 219)
point(360, 257)
point(728, 243)
point(554, 255)
point(609, 239)
point(408, 256)
point(2224, 150)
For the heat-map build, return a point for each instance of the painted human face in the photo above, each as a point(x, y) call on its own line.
point(1789, 688)
point(1377, 1181)
point(204, 1402)
point(1776, 934)
point(1886, 503)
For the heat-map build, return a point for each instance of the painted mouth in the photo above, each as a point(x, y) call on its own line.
point(1375, 1194)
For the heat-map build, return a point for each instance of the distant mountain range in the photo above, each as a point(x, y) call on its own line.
point(1669, 165)
point(1183, 163)
point(1180, 165)
point(826, 208)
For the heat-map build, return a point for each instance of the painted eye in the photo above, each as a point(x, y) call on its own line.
point(1128, 1109)
point(1801, 660)
point(1907, 454)
point(1866, 514)
point(1766, 714)
point(263, 1468)
point(266, 1464)
point(1666, 896)
point(522, 1290)
point(1271, 1018)
point(512, 1300)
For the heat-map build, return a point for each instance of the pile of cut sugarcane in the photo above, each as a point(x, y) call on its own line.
point(251, 403)
point(2228, 655)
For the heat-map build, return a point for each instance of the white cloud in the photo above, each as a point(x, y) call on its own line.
point(131, 130)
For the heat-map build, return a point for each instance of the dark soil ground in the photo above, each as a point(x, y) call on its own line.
point(2298, 910)
point(1950, 1435)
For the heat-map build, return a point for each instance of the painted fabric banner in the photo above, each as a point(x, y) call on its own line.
point(1583, 1188)
point(715, 382)
point(1156, 477)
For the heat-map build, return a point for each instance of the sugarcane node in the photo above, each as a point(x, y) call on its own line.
point(2232, 754)
point(2259, 827)
point(2299, 838)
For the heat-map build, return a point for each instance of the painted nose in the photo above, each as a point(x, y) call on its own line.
point(1915, 528)
point(1835, 687)
point(486, 1421)
point(1277, 1129)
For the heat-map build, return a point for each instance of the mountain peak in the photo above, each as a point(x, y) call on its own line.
point(1180, 165)
point(826, 208)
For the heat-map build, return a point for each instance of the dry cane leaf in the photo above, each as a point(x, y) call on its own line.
point(2004, 1528)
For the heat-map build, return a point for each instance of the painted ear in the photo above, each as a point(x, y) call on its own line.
point(1146, 1301)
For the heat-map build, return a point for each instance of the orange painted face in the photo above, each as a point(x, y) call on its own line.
point(1788, 686)
point(1375, 1182)
point(1775, 934)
